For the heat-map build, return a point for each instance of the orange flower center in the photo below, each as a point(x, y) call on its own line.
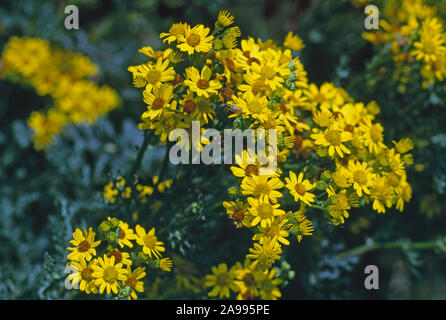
point(300, 189)
point(203, 84)
point(83, 246)
point(86, 274)
point(131, 282)
point(158, 103)
point(193, 40)
point(333, 137)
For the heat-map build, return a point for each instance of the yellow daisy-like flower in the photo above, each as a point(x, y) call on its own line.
point(381, 194)
point(164, 125)
point(125, 235)
point(200, 83)
point(304, 226)
point(84, 245)
point(259, 186)
point(264, 255)
point(225, 18)
point(222, 281)
point(299, 188)
point(195, 40)
point(334, 139)
point(263, 211)
point(83, 275)
point(268, 285)
point(149, 242)
point(275, 230)
point(176, 31)
point(293, 42)
point(158, 101)
point(372, 135)
point(431, 45)
point(247, 165)
point(361, 176)
point(252, 105)
point(237, 212)
point(152, 75)
point(107, 274)
point(132, 280)
point(165, 264)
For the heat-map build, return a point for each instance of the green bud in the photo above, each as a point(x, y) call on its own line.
point(111, 237)
point(105, 226)
point(115, 222)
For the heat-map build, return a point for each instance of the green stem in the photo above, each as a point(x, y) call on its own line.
point(139, 156)
point(358, 251)
point(163, 168)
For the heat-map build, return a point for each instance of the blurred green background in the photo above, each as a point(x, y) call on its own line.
point(44, 195)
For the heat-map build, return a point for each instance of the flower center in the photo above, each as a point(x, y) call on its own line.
point(193, 40)
point(131, 282)
point(83, 246)
point(121, 234)
point(255, 107)
point(189, 106)
point(86, 274)
point(222, 280)
point(333, 137)
point(110, 274)
point(393, 179)
point(248, 279)
point(158, 103)
point(251, 170)
point(258, 86)
point(150, 241)
point(300, 189)
point(118, 255)
point(238, 215)
point(153, 76)
point(251, 60)
point(230, 64)
point(261, 188)
point(203, 84)
point(360, 177)
point(265, 210)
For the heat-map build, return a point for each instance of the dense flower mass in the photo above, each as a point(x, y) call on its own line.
point(116, 264)
point(414, 35)
point(61, 75)
point(331, 153)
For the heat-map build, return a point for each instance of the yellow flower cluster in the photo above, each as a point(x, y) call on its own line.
point(248, 284)
point(331, 154)
point(62, 75)
point(116, 270)
point(415, 34)
point(118, 189)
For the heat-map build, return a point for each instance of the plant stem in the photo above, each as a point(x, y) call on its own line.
point(358, 251)
point(139, 156)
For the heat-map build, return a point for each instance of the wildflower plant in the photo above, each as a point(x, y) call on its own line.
point(331, 154)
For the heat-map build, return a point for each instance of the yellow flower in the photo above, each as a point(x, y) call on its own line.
point(195, 40)
point(225, 18)
point(163, 125)
point(200, 83)
point(263, 211)
point(132, 280)
point(149, 242)
point(268, 285)
point(252, 105)
point(372, 135)
point(275, 230)
point(299, 188)
point(293, 42)
point(107, 274)
point(259, 186)
point(221, 280)
point(176, 31)
point(332, 138)
point(247, 164)
point(84, 245)
point(304, 226)
point(83, 275)
point(265, 254)
point(381, 194)
point(158, 101)
point(165, 264)
point(431, 45)
point(404, 145)
point(237, 212)
point(361, 176)
point(125, 235)
point(152, 75)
